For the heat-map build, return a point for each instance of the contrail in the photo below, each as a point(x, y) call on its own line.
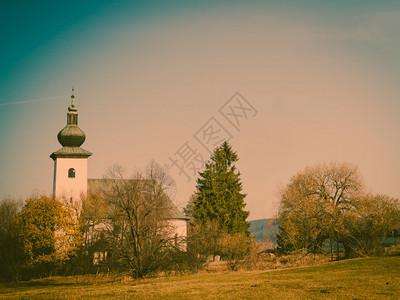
point(34, 100)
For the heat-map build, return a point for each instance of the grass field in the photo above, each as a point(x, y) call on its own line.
point(367, 278)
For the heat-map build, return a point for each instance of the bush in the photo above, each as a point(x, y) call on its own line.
point(234, 249)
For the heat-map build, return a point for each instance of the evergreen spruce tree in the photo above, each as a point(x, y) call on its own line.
point(219, 198)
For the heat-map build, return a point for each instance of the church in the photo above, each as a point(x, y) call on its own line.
point(71, 182)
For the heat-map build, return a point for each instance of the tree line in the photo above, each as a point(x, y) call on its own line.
point(124, 226)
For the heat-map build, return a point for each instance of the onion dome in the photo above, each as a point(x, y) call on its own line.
point(71, 135)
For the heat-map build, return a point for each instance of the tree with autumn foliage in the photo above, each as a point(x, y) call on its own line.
point(49, 234)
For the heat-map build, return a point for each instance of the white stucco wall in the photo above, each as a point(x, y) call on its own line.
point(180, 227)
point(65, 188)
point(179, 232)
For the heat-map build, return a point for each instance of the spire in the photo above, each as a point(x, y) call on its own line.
point(72, 107)
point(71, 135)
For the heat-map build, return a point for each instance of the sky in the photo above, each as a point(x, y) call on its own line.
point(288, 84)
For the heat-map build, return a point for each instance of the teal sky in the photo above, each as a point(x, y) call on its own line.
point(324, 77)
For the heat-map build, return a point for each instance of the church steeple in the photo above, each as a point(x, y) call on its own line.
point(71, 137)
point(70, 162)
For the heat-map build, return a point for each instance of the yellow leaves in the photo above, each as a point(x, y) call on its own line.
point(48, 231)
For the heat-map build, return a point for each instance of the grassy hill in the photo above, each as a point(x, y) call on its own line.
point(367, 278)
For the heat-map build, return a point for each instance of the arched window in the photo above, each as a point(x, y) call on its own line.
point(71, 173)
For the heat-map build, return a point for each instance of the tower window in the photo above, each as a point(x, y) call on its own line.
point(71, 173)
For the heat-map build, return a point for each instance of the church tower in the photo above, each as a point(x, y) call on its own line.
point(70, 162)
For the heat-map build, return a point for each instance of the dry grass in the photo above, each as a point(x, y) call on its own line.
point(287, 261)
point(365, 278)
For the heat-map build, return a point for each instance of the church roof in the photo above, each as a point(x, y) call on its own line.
point(101, 185)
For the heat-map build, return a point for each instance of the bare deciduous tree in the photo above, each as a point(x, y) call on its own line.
point(141, 236)
point(372, 218)
point(327, 203)
point(313, 202)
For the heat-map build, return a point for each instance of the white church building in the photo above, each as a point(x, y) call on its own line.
point(71, 181)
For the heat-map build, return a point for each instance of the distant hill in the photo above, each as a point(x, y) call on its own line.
point(263, 227)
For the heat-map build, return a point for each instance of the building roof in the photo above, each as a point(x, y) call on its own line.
point(103, 185)
point(75, 152)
